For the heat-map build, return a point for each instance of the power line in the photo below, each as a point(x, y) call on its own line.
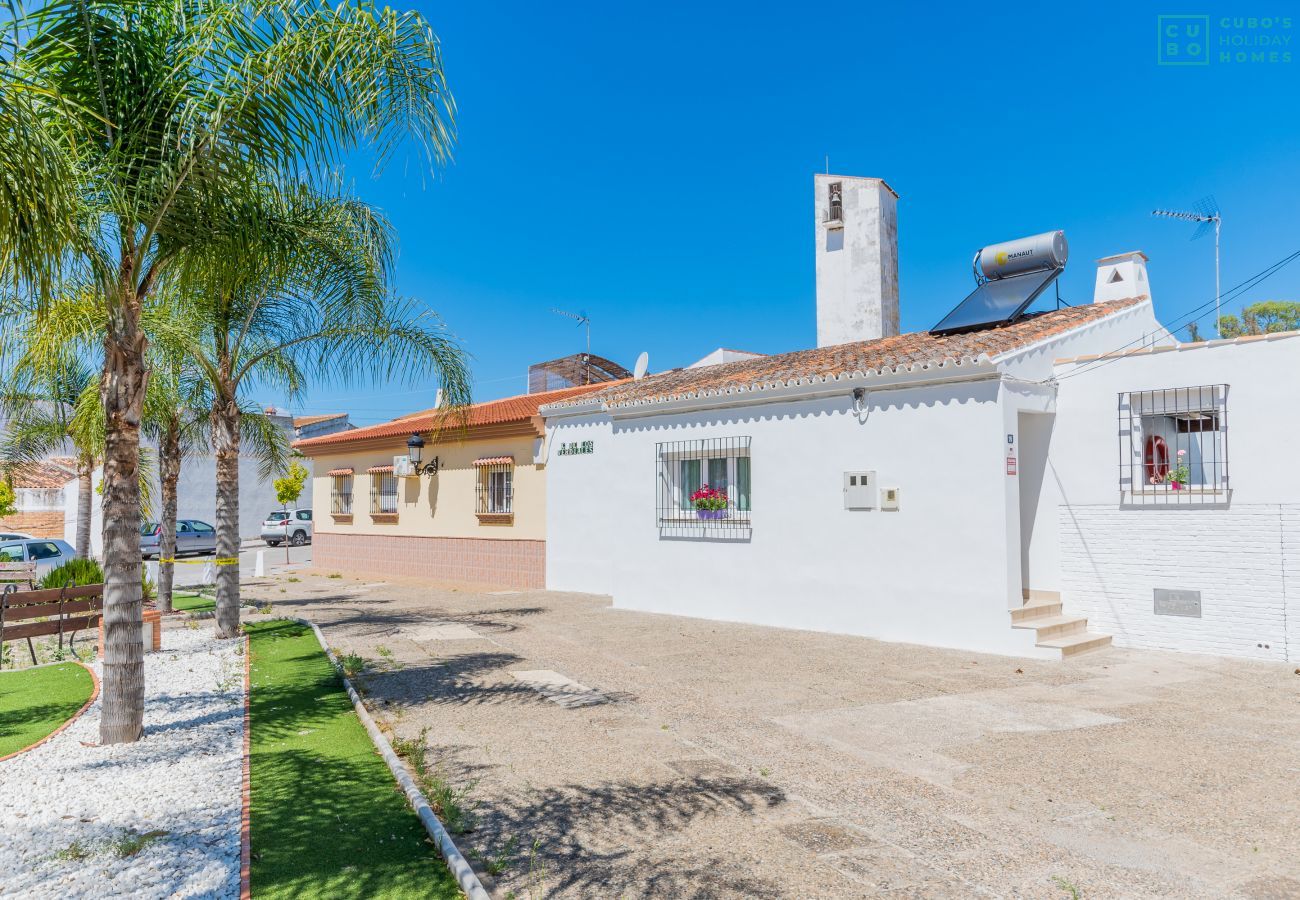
point(1194, 314)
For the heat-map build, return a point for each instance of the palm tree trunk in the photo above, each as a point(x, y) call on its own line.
point(225, 439)
point(85, 496)
point(169, 470)
point(122, 389)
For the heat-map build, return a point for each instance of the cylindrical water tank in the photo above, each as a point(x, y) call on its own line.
point(1042, 251)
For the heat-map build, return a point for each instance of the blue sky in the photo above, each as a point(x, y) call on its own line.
point(652, 163)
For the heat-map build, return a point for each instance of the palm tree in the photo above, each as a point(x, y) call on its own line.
point(39, 405)
point(309, 300)
point(121, 124)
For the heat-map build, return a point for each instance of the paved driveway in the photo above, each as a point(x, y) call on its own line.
point(654, 756)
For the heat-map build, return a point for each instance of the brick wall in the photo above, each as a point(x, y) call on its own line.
point(472, 562)
point(1245, 561)
point(38, 524)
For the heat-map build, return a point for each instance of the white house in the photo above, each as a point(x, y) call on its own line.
point(913, 487)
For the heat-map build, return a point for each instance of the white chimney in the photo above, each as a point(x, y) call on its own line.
point(1121, 276)
point(857, 259)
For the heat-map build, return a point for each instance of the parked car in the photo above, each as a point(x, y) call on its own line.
point(47, 553)
point(293, 525)
point(14, 536)
point(192, 536)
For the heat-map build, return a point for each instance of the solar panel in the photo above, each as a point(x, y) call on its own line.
point(997, 301)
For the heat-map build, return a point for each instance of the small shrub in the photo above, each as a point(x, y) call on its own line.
point(265, 608)
point(131, 843)
point(413, 750)
point(74, 852)
point(78, 571)
point(352, 664)
point(148, 590)
point(335, 575)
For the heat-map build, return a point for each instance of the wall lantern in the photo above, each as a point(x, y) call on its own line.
point(415, 450)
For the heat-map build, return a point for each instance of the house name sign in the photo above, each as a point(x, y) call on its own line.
point(577, 448)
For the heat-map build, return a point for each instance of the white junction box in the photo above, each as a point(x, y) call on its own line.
point(889, 498)
point(859, 490)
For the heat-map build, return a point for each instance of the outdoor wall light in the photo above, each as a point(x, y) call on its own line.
point(415, 450)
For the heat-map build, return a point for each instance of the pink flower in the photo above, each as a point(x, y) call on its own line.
point(1182, 452)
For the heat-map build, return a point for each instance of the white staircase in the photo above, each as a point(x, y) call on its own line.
point(1054, 629)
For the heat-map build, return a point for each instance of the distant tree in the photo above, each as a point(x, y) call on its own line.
point(1194, 333)
point(8, 502)
point(288, 488)
point(287, 491)
point(1265, 317)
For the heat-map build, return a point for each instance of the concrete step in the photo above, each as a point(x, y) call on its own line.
point(1075, 644)
point(1035, 609)
point(1053, 626)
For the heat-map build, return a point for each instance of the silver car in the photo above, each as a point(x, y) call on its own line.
point(47, 553)
point(192, 536)
point(293, 525)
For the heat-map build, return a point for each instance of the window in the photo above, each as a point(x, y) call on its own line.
point(11, 553)
point(383, 491)
point(43, 550)
point(202, 528)
point(704, 485)
point(1174, 444)
point(183, 528)
point(303, 515)
point(341, 495)
point(496, 489)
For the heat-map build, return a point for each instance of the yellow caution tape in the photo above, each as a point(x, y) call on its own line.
point(221, 561)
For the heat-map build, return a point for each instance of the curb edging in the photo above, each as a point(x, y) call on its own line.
point(246, 798)
point(465, 875)
point(94, 695)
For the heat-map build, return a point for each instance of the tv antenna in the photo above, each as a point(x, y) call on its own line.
point(581, 318)
point(1207, 215)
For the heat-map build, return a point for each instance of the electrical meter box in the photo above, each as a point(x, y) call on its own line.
point(889, 498)
point(860, 490)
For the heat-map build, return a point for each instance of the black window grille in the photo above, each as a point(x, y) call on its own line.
point(704, 486)
point(1173, 444)
point(383, 493)
point(496, 489)
point(341, 495)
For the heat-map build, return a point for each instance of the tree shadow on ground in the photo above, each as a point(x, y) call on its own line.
point(607, 839)
point(468, 679)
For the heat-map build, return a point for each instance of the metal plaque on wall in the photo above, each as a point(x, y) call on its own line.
point(1178, 603)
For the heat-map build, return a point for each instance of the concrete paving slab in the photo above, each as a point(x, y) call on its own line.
point(441, 631)
point(560, 689)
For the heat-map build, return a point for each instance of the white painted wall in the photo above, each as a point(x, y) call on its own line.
point(933, 572)
point(196, 498)
point(1243, 554)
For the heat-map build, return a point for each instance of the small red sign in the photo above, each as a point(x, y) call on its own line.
point(1011, 465)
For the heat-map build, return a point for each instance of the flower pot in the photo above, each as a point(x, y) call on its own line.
point(1177, 485)
point(711, 513)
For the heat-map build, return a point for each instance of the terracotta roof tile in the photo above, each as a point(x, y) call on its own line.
point(494, 412)
point(46, 475)
point(898, 353)
point(339, 473)
point(494, 460)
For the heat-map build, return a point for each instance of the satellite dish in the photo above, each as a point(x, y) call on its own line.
point(642, 364)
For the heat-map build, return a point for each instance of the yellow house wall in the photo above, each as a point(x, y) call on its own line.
point(441, 505)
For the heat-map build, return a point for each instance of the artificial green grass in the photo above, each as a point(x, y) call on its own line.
point(187, 602)
point(327, 817)
point(34, 702)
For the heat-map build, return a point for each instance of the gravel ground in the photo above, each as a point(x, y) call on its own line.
point(68, 810)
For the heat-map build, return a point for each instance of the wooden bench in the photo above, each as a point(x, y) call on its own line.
point(63, 611)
